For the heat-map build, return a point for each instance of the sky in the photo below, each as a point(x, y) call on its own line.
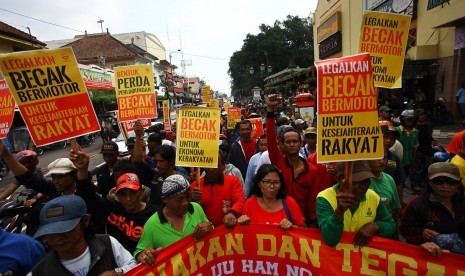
point(207, 31)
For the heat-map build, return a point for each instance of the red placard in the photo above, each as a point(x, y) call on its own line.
point(257, 127)
point(50, 93)
point(7, 109)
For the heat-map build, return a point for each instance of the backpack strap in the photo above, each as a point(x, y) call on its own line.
point(286, 209)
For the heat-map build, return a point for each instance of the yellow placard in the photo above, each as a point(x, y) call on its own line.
point(135, 92)
point(234, 117)
point(214, 103)
point(348, 127)
point(166, 115)
point(50, 93)
point(384, 36)
point(206, 90)
point(198, 130)
point(206, 99)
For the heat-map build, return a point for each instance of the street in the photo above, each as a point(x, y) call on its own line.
point(51, 154)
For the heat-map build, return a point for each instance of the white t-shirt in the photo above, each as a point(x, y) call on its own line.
point(80, 265)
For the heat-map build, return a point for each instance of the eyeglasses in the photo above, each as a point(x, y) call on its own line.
point(58, 175)
point(443, 180)
point(270, 183)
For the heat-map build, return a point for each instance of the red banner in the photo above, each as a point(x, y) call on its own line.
point(7, 109)
point(257, 127)
point(269, 250)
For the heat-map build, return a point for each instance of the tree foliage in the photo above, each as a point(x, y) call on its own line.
point(278, 45)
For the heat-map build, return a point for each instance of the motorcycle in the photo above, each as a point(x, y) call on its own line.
point(61, 144)
point(86, 140)
point(12, 212)
point(4, 169)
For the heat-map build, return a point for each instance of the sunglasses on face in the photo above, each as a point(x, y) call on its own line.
point(443, 180)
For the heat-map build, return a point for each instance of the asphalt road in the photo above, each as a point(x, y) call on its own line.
point(52, 153)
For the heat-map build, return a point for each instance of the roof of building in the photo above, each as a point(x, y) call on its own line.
point(92, 46)
point(8, 30)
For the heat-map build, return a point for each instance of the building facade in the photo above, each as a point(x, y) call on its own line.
point(435, 59)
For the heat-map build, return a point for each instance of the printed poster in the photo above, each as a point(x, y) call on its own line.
point(269, 250)
point(234, 117)
point(129, 125)
point(348, 127)
point(7, 108)
point(257, 127)
point(214, 103)
point(384, 36)
point(198, 131)
point(166, 115)
point(51, 96)
point(135, 92)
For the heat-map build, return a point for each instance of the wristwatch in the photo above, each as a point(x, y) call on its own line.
point(119, 271)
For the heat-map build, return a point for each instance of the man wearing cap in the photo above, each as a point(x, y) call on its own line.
point(177, 218)
point(105, 178)
point(394, 166)
point(300, 177)
point(300, 127)
point(384, 113)
point(359, 210)
point(75, 250)
point(309, 142)
point(241, 151)
point(124, 217)
point(438, 210)
point(62, 172)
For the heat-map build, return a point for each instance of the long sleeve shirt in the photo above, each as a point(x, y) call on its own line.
point(302, 187)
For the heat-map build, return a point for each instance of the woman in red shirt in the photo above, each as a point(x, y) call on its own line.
point(269, 203)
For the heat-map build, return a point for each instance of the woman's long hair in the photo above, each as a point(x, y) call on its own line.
point(263, 171)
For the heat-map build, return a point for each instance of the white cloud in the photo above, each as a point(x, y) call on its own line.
point(211, 28)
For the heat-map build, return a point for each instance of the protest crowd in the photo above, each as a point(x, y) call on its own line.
point(143, 203)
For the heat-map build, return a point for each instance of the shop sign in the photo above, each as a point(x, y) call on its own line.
point(406, 7)
point(331, 45)
point(434, 3)
point(371, 4)
point(329, 27)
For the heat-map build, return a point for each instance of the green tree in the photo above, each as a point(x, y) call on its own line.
point(288, 41)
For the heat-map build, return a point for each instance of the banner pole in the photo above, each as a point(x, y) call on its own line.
point(348, 177)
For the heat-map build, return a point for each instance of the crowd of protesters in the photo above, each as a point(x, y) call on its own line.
point(144, 203)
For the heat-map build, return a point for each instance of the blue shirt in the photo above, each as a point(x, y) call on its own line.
point(461, 95)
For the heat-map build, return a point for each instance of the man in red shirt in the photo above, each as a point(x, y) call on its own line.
point(220, 195)
point(241, 151)
point(299, 176)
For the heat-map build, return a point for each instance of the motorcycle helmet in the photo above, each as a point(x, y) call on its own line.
point(407, 114)
point(27, 158)
point(441, 100)
point(440, 157)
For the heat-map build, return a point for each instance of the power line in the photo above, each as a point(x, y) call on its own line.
point(42, 21)
point(57, 25)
